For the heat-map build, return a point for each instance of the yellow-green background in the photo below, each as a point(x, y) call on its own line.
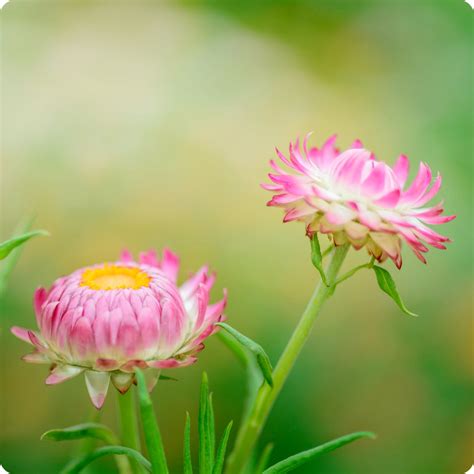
point(142, 124)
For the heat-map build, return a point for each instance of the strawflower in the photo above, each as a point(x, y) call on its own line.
point(356, 199)
point(108, 319)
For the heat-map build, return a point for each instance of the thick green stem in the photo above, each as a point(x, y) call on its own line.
point(253, 424)
point(129, 426)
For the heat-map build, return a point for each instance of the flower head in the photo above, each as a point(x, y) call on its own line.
point(108, 319)
point(355, 198)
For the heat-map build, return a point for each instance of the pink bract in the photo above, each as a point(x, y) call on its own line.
point(108, 319)
point(353, 197)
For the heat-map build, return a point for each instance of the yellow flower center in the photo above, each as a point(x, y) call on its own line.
point(113, 277)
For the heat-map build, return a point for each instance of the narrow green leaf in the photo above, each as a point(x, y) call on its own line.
point(257, 350)
point(249, 362)
point(234, 347)
point(291, 463)
point(264, 458)
point(211, 429)
point(78, 464)
point(9, 245)
point(205, 466)
point(387, 285)
point(84, 430)
point(151, 431)
point(317, 258)
point(188, 463)
point(167, 377)
point(220, 457)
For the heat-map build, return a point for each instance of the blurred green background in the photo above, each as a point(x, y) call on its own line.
point(142, 124)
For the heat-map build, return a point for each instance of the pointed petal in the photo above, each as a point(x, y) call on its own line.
point(149, 258)
point(151, 377)
point(36, 358)
point(122, 381)
point(170, 264)
point(63, 372)
point(38, 301)
point(97, 385)
point(126, 256)
point(401, 168)
point(21, 333)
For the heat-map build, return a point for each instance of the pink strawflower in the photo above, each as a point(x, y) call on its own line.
point(355, 198)
point(108, 319)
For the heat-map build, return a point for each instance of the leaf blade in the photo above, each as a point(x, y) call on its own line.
point(257, 350)
point(81, 431)
point(291, 463)
point(220, 456)
point(188, 463)
point(264, 458)
point(317, 257)
point(76, 465)
point(9, 245)
point(387, 285)
point(151, 431)
point(204, 441)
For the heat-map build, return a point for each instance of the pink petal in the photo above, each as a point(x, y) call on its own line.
point(389, 200)
point(122, 381)
point(97, 385)
point(419, 185)
point(38, 300)
point(36, 358)
point(106, 364)
point(82, 338)
point(170, 264)
point(149, 258)
point(126, 256)
point(431, 193)
point(61, 373)
point(171, 363)
point(401, 169)
point(21, 333)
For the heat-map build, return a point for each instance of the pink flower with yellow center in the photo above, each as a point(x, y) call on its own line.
point(355, 198)
point(108, 319)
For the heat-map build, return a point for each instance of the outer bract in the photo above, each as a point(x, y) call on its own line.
point(108, 319)
point(355, 198)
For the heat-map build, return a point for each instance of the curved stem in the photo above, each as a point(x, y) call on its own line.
point(253, 424)
point(354, 270)
point(129, 426)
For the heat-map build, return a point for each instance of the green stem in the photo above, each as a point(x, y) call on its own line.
point(129, 426)
point(354, 270)
point(253, 424)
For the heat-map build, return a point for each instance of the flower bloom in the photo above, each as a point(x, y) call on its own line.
point(355, 198)
point(108, 319)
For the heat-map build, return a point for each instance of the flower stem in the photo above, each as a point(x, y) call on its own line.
point(129, 425)
point(354, 270)
point(253, 424)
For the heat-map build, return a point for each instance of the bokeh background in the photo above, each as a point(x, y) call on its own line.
point(142, 124)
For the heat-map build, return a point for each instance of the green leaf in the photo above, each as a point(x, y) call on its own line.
point(254, 374)
point(9, 245)
point(84, 430)
point(264, 458)
point(387, 285)
point(167, 377)
point(76, 465)
point(291, 463)
point(317, 258)
point(151, 431)
point(211, 429)
point(233, 345)
point(257, 350)
point(220, 457)
point(188, 463)
point(205, 465)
